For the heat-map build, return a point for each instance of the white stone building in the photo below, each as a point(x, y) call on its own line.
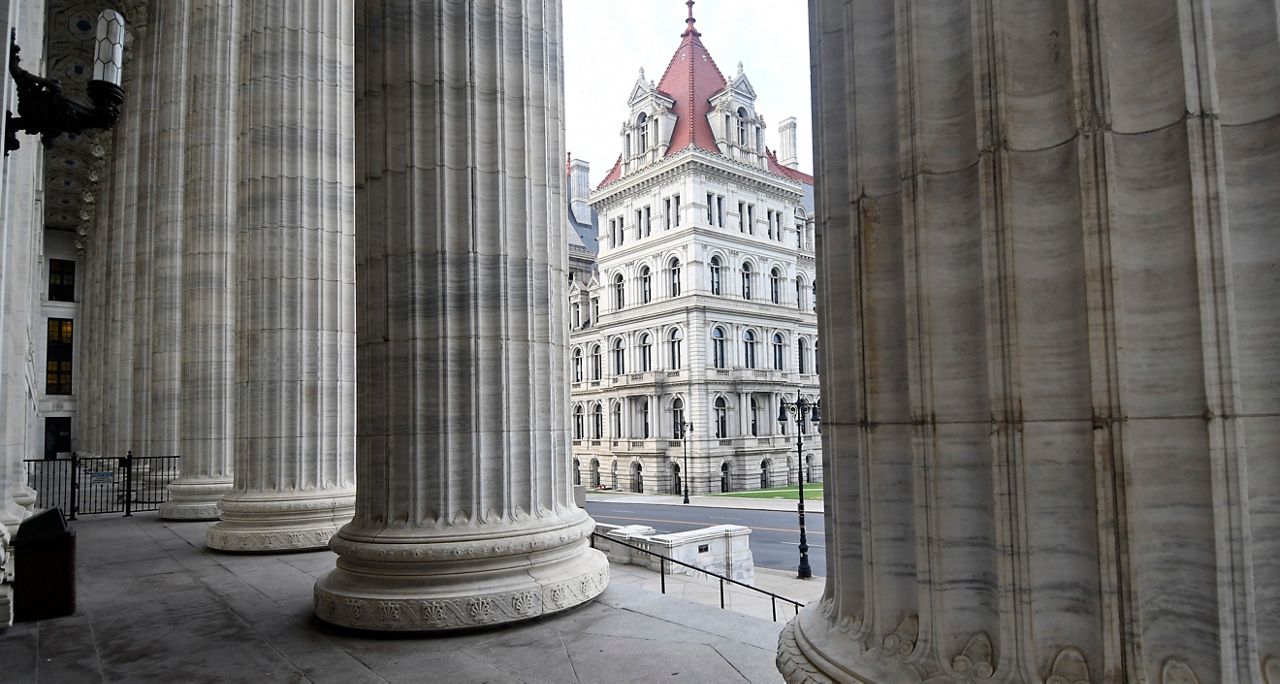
point(701, 310)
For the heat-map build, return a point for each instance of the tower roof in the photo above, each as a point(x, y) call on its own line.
point(691, 78)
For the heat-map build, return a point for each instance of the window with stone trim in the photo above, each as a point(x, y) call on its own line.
point(619, 357)
point(715, 275)
point(775, 286)
point(646, 353)
point(746, 280)
point(58, 350)
point(718, 347)
point(577, 364)
point(62, 280)
point(749, 348)
point(722, 418)
point(673, 269)
point(619, 292)
point(778, 351)
point(646, 285)
point(673, 349)
point(596, 365)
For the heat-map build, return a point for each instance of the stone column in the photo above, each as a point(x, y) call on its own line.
point(295, 376)
point(464, 506)
point(208, 243)
point(1054, 293)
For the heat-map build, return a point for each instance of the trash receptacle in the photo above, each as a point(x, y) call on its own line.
point(44, 564)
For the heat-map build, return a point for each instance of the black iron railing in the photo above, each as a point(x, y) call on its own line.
point(662, 573)
point(101, 484)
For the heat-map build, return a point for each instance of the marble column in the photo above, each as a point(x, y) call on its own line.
point(208, 243)
point(295, 377)
point(464, 504)
point(1048, 265)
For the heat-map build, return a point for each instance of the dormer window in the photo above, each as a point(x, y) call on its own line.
point(742, 126)
point(642, 124)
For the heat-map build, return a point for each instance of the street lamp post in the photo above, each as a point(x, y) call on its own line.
point(799, 409)
point(686, 430)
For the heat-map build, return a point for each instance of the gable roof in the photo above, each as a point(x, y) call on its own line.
point(786, 171)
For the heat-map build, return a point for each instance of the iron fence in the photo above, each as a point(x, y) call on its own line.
point(101, 484)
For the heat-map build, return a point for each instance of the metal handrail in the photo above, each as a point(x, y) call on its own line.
point(662, 572)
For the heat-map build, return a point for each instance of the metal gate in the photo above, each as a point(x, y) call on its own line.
point(100, 484)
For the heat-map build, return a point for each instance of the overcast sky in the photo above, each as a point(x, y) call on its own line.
point(608, 41)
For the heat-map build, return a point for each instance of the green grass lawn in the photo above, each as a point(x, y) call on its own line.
point(812, 492)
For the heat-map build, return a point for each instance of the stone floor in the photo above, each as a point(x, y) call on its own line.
point(155, 605)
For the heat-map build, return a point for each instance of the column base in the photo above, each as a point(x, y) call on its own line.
point(271, 521)
point(441, 584)
point(192, 500)
point(815, 648)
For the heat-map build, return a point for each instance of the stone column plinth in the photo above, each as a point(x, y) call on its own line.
point(1051, 389)
point(464, 503)
point(295, 373)
point(209, 222)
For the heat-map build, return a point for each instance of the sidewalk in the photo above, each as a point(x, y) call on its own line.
point(788, 505)
point(706, 590)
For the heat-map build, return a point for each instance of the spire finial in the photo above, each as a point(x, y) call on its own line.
point(689, 28)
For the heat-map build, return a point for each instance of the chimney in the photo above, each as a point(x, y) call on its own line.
point(579, 189)
point(787, 143)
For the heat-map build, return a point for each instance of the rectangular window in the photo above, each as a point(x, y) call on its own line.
point(57, 378)
point(677, 209)
point(62, 280)
point(711, 209)
point(639, 224)
point(751, 219)
point(648, 222)
point(666, 215)
point(720, 211)
point(742, 217)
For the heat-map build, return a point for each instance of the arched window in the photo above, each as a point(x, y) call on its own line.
point(722, 418)
point(646, 285)
point(675, 277)
point(644, 419)
point(742, 126)
point(646, 353)
point(577, 421)
point(775, 286)
point(749, 349)
point(673, 349)
point(597, 422)
point(802, 353)
point(755, 417)
point(715, 275)
point(577, 312)
point(619, 292)
point(717, 347)
point(577, 364)
point(619, 357)
point(642, 126)
point(800, 292)
point(765, 482)
point(615, 420)
point(777, 351)
point(677, 418)
point(814, 288)
point(746, 280)
point(596, 370)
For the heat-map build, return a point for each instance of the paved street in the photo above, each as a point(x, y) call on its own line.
point(774, 534)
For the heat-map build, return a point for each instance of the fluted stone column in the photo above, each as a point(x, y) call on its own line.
point(295, 385)
point(1049, 267)
point(464, 506)
point(209, 234)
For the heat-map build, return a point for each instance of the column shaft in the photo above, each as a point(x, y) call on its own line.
point(295, 381)
point(208, 244)
point(464, 505)
point(1057, 282)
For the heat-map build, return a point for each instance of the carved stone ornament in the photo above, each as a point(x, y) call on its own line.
point(1177, 672)
point(976, 660)
point(902, 641)
point(795, 668)
point(1271, 670)
point(1069, 667)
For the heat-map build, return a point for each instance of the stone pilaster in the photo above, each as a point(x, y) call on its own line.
point(1048, 268)
point(295, 384)
point(208, 244)
point(464, 506)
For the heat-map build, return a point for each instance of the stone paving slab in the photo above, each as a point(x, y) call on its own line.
point(156, 606)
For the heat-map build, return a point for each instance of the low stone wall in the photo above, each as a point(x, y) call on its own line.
point(722, 549)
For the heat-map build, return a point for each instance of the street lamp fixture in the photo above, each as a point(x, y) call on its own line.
point(799, 410)
point(45, 111)
point(686, 429)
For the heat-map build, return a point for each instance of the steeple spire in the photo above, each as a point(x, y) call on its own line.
point(689, 28)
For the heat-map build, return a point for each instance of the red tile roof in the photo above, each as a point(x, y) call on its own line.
point(691, 79)
point(787, 171)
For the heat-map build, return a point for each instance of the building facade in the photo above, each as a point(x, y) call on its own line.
point(700, 317)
